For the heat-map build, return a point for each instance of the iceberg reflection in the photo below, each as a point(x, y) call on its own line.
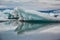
point(24, 26)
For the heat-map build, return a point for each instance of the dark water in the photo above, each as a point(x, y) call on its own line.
point(29, 31)
point(1, 9)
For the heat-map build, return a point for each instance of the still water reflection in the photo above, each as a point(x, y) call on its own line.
point(24, 26)
point(26, 31)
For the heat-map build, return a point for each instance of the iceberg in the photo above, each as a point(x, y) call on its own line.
point(33, 15)
point(25, 15)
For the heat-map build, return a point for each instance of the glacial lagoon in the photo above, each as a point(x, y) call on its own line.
point(29, 31)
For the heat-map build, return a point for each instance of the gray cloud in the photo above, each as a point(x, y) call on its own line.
point(33, 4)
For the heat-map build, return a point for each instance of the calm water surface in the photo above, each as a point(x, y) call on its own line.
point(29, 31)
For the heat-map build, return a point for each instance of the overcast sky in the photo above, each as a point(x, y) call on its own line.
point(32, 4)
